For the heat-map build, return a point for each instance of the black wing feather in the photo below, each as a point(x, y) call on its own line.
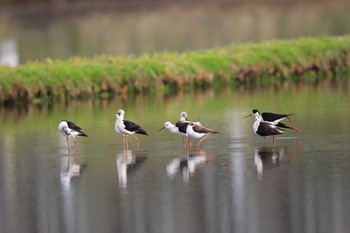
point(265, 129)
point(74, 127)
point(281, 125)
point(270, 116)
point(182, 126)
point(131, 126)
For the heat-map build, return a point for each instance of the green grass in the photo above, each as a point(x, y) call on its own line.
point(243, 64)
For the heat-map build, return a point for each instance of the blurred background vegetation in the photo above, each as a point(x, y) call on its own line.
point(59, 29)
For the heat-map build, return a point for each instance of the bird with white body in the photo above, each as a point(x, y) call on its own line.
point(274, 119)
point(198, 132)
point(265, 129)
point(126, 128)
point(69, 129)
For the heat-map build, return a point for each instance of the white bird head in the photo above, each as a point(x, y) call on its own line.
point(120, 114)
point(167, 125)
point(183, 116)
point(64, 129)
point(62, 125)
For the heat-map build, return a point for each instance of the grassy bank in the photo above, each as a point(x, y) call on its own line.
point(244, 64)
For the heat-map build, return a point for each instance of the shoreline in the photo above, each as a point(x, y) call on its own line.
point(246, 64)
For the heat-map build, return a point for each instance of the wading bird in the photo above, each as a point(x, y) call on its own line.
point(69, 129)
point(265, 129)
point(274, 119)
point(198, 132)
point(126, 128)
point(179, 128)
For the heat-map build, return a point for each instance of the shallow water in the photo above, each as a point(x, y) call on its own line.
point(238, 182)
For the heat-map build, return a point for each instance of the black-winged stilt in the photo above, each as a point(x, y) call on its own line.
point(179, 128)
point(199, 132)
point(274, 119)
point(69, 129)
point(265, 129)
point(126, 128)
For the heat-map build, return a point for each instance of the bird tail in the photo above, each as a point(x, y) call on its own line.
point(82, 134)
point(212, 131)
point(141, 131)
point(281, 125)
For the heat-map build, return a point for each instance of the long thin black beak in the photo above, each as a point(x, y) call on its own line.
point(248, 115)
point(161, 129)
point(114, 118)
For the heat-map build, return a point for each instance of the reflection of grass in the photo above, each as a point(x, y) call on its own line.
point(243, 64)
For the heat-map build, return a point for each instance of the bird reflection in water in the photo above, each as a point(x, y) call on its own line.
point(266, 156)
point(187, 164)
point(68, 176)
point(73, 171)
point(127, 161)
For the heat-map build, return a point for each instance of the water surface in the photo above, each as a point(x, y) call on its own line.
point(238, 182)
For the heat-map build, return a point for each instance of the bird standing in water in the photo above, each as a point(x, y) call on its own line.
point(265, 129)
point(199, 132)
point(69, 129)
point(126, 128)
point(179, 128)
point(274, 119)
